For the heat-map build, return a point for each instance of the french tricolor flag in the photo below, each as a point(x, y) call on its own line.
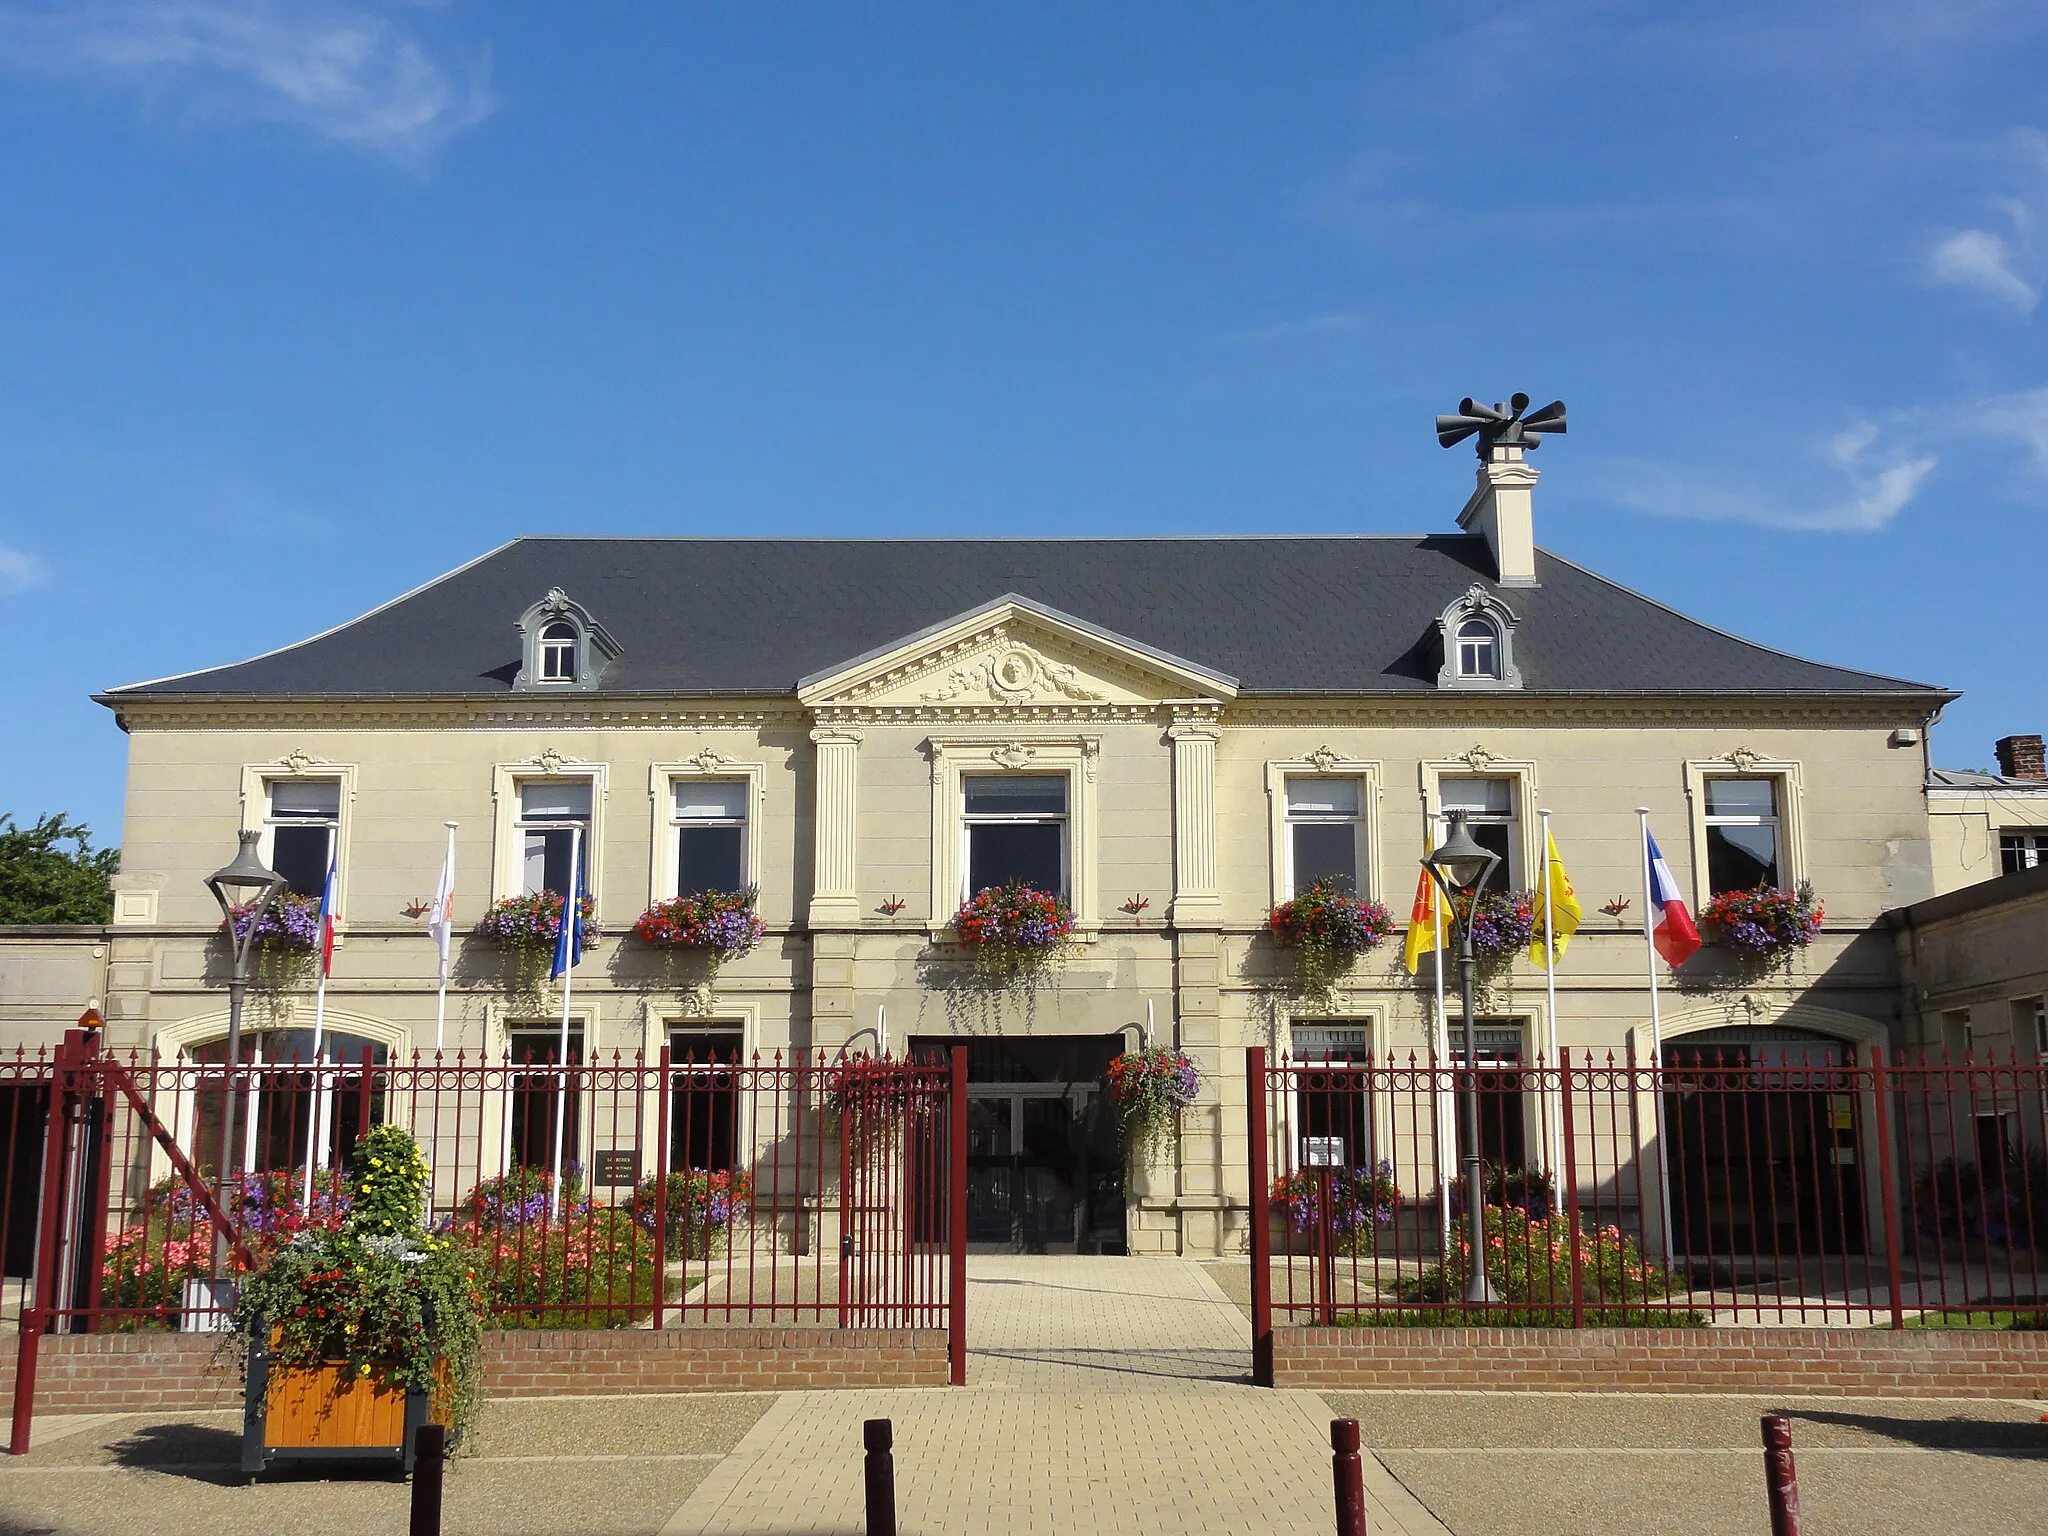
point(1672, 931)
point(327, 918)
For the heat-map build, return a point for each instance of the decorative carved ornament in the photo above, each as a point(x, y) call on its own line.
point(1016, 674)
point(1015, 755)
point(549, 761)
point(556, 602)
point(1478, 758)
point(298, 760)
point(1325, 758)
point(1743, 758)
point(710, 760)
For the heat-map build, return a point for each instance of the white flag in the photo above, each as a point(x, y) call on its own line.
point(442, 924)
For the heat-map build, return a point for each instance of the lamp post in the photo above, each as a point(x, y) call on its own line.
point(1460, 867)
point(246, 883)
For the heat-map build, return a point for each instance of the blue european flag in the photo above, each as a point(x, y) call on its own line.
point(569, 932)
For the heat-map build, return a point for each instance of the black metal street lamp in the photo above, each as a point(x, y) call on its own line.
point(247, 885)
point(1460, 867)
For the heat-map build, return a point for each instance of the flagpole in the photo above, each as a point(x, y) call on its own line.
point(249, 1117)
point(1440, 1048)
point(569, 938)
point(1650, 909)
point(312, 1131)
point(444, 917)
point(1553, 1119)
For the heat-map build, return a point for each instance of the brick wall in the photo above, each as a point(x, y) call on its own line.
point(137, 1372)
point(1824, 1362)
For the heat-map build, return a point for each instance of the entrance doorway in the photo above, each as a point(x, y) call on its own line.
point(1045, 1165)
point(1764, 1127)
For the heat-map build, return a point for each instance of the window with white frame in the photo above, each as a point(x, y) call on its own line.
point(558, 653)
point(1491, 816)
point(1744, 847)
point(550, 812)
point(1325, 834)
point(1332, 1093)
point(2021, 849)
point(1478, 648)
point(710, 829)
point(1014, 826)
point(301, 821)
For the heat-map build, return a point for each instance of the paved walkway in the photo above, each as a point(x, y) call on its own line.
point(1105, 1394)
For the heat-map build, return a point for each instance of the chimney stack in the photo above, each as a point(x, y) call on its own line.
point(1500, 510)
point(2019, 757)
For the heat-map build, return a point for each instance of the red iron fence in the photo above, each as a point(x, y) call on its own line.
point(1775, 1186)
point(693, 1189)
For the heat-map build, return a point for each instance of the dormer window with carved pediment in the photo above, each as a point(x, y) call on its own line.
point(1478, 634)
point(561, 645)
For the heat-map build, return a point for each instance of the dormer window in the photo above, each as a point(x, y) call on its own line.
point(1478, 634)
point(561, 645)
point(1479, 649)
point(558, 654)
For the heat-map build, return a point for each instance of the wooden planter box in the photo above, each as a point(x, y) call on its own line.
point(322, 1413)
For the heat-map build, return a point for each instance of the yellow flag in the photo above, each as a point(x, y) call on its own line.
point(1421, 920)
point(1555, 893)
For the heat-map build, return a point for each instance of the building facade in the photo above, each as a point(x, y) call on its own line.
point(1173, 734)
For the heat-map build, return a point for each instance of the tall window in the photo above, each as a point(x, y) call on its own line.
point(2020, 849)
point(558, 653)
point(704, 1098)
point(304, 815)
point(537, 1094)
point(1743, 849)
point(288, 1113)
point(710, 824)
point(548, 810)
point(1333, 1100)
point(1016, 829)
point(1325, 833)
point(1489, 805)
point(1478, 649)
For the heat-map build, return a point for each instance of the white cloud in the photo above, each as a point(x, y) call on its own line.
point(19, 571)
point(2020, 417)
point(1879, 484)
point(1976, 258)
point(342, 71)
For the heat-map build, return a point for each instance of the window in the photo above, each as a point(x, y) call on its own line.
point(558, 653)
point(1503, 1127)
point(1016, 829)
point(1325, 833)
point(1489, 806)
point(1478, 649)
point(549, 810)
point(302, 821)
point(283, 1112)
point(1743, 851)
point(536, 1094)
point(710, 824)
point(1333, 1099)
point(2020, 850)
point(704, 1098)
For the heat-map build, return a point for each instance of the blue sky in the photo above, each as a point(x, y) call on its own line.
point(304, 303)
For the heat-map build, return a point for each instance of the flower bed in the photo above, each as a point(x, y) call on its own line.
point(1954, 1202)
point(147, 1264)
point(1150, 1088)
point(1529, 1262)
point(722, 924)
point(1327, 928)
point(1362, 1200)
point(544, 1263)
point(702, 1206)
point(1013, 931)
point(1766, 925)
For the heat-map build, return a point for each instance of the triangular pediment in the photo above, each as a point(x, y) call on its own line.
point(1013, 651)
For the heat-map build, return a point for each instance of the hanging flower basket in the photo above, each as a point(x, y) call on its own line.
point(1150, 1088)
point(720, 924)
point(1767, 925)
point(1013, 932)
point(286, 938)
point(526, 928)
point(1327, 928)
point(1362, 1200)
point(1504, 924)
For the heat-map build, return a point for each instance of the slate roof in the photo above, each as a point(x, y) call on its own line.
point(752, 616)
point(1972, 778)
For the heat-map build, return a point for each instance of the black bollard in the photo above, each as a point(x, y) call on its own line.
point(429, 1454)
point(1781, 1480)
point(1349, 1473)
point(879, 1436)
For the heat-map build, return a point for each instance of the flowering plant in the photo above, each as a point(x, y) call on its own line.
point(374, 1293)
point(1362, 1200)
point(702, 1205)
point(1767, 924)
point(535, 922)
point(1529, 1261)
point(1503, 924)
point(147, 1264)
point(869, 1095)
point(722, 924)
point(1013, 931)
point(291, 923)
point(544, 1264)
point(1150, 1088)
point(1327, 928)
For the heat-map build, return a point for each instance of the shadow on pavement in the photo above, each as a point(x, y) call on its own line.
point(1982, 1436)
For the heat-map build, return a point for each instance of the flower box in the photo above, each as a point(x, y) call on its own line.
point(297, 1414)
point(1766, 925)
point(720, 924)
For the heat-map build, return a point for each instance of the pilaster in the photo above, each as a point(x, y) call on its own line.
point(835, 895)
point(1195, 900)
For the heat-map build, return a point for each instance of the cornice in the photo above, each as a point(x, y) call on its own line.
point(519, 712)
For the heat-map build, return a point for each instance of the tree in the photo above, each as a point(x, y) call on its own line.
point(42, 881)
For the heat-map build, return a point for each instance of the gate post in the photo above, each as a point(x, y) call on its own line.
point(1887, 1191)
point(956, 1223)
point(35, 1320)
point(1261, 1217)
point(661, 1133)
